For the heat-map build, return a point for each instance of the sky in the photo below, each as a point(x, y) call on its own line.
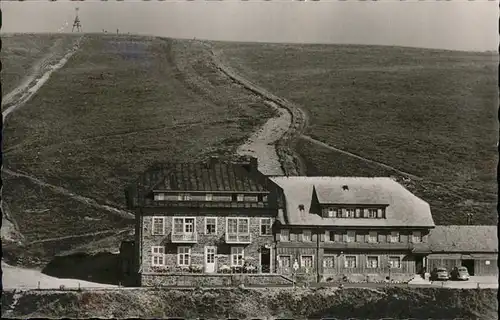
point(453, 25)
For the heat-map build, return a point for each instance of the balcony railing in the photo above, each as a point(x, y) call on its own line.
point(238, 238)
point(185, 237)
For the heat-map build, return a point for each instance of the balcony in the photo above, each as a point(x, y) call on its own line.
point(238, 238)
point(185, 237)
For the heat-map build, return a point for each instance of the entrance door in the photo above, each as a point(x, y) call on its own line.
point(419, 265)
point(469, 264)
point(210, 259)
point(265, 259)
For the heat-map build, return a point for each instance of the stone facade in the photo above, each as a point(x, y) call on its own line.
point(223, 250)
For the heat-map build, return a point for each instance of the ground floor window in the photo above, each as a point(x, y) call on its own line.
point(328, 262)
point(157, 256)
point(306, 261)
point(237, 256)
point(372, 262)
point(395, 262)
point(285, 261)
point(183, 256)
point(350, 261)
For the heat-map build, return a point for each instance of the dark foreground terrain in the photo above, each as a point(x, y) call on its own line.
point(394, 303)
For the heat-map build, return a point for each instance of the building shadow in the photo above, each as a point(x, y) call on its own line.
point(103, 267)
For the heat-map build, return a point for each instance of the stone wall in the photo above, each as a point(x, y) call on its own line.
point(200, 280)
point(367, 278)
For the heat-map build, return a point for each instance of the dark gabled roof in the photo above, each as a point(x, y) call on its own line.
point(213, 176)
point(404, 209)
point(207, 177)
point(464, 239)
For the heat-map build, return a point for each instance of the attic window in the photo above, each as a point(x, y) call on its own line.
point(345, 187)
point(159, 196)
point(301, 207)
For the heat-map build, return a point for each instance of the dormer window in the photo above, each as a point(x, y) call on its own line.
point(349, 213)
point(159, 196)
point(372, 213)
point(183, 197)
point(331, 213)
point(345, 187)
point(301, 208)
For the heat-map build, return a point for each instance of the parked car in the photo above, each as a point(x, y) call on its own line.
point(440, 274)
point(460, 273)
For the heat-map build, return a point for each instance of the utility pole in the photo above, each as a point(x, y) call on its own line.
point(76, 23)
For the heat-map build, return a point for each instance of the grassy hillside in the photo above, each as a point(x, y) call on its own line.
point(431, 113)
point(119, 104)
point(398, 303)
point(23, 54)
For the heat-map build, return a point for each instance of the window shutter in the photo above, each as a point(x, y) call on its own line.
point(293, 236)
point(344, 237)
point(367, 237)
point(344, 212)
point(410, 238)
point(325, 236)
point(336, 237)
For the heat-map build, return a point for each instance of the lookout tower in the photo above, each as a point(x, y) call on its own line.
point(77, 23)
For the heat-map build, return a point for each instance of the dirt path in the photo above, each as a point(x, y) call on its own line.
point(79, 235)
point(272, 144)
point(66, 192)
point(386, 166)
point(28, 88)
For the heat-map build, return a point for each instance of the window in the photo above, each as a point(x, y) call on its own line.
point(158, 227)
point(237, 225)
point(285, 261)
point(264, 198)
point(372, 237)
point(329, 236)
point(372, 213)
point(157, 256)
point(350, 236)
point(395, 262)
point(331, 213)
point(236, 256)
point(306, 261)
point(358, 213)
point(349, 213)
point(350, 262)
point(285, 235)
point(159, 196)
point(209, 197)
point(183, 256)
point(240, 197)
point(328, 262)
point(210, 225)
point(306, 235)
point(372, 262)
point(394, 236)
point(266, 226)
point(184, 196)
point(183, 225)
point(417, 236)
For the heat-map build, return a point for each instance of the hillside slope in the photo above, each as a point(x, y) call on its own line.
point(431, 113)
point(119, 104)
